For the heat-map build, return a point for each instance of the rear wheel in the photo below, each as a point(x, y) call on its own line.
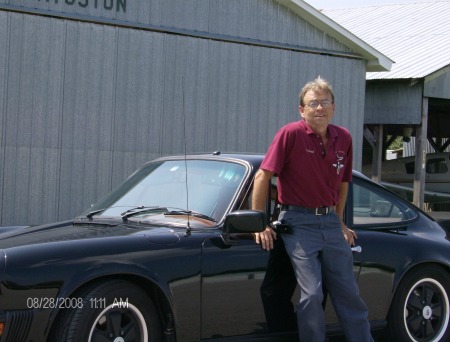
point(111, 311)
point(420, 309)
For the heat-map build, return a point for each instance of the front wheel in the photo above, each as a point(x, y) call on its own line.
point(420, 309)
point(110, 311)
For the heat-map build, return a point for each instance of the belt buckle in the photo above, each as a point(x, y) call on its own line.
point(321, 211)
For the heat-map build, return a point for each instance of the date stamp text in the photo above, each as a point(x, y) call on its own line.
point(75, 303)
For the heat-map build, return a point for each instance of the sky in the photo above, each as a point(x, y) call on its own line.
point(334, 4)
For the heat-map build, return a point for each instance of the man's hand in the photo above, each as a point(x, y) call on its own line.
point(349, 235)
point(266, 238)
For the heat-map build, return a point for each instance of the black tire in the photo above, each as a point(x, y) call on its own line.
point(420, 309)
point(112, 310)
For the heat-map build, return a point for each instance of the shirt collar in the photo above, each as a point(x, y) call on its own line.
point(332, 133)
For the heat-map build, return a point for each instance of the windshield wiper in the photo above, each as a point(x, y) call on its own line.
point(190, 213)
point(94, 212)
point(141, 210)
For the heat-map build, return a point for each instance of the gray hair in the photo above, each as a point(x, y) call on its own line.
point(319, 84)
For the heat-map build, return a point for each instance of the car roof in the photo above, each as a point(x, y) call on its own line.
point(255, 159)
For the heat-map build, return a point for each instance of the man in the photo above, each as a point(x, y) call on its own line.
point(313, 161)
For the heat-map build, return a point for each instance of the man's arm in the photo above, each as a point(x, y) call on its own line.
point(259, 200)
point(349, 234)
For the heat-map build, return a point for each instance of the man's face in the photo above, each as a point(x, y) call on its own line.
point(318, 109)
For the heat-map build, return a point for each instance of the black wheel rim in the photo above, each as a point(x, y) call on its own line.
point(426, 311)
point(119, 325)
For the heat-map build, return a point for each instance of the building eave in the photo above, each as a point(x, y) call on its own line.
point(376, 61)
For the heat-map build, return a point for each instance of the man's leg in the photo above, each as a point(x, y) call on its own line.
point(303, 247)
point(277, 289)
point(337, 263)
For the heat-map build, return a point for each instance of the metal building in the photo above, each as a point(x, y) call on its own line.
point(413, 98)
point(91, 89)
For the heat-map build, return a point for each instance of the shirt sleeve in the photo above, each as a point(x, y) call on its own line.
point(347, 176)
point(278, 152)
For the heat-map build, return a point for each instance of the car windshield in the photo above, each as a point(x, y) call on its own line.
point(207, 187)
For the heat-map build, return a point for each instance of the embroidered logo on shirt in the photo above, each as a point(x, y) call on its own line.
point(339, 156)
point(310, 151)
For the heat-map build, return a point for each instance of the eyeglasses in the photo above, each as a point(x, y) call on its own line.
point(323, 103)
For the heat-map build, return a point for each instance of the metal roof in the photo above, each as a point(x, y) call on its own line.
point(415, 36)
point(376, 61)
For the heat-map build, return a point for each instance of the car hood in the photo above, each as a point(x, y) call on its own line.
point(72, 231)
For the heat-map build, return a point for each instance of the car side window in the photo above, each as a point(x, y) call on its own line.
point(274, 209)
point(373, 206)
point(434, 165)
point(437, 165)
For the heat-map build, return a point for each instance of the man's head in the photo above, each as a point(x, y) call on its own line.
point(317, 104)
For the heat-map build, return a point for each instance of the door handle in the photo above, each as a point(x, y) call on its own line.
point(357, 249)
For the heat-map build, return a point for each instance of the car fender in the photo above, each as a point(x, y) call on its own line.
point(148, 280)
point(435, 255)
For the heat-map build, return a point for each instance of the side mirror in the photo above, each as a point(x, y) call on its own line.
point(244, 221)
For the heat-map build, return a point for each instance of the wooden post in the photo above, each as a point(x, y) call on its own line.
point(421, 157)
point(377, 154)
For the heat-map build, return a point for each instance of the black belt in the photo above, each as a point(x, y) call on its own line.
point(315, 211)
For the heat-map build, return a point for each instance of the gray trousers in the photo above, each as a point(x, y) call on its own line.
point(317, 248)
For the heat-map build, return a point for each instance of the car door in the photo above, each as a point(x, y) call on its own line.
point(231, 279)
point(232, 275)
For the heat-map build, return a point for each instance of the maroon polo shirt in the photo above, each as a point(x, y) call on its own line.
point(307, 177)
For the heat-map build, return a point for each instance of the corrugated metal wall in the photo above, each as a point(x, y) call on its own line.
point(83, 104)
point(409, 148)
point(438, 84)
point(393, 102)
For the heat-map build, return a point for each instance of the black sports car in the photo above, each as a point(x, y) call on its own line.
point(170, 255)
